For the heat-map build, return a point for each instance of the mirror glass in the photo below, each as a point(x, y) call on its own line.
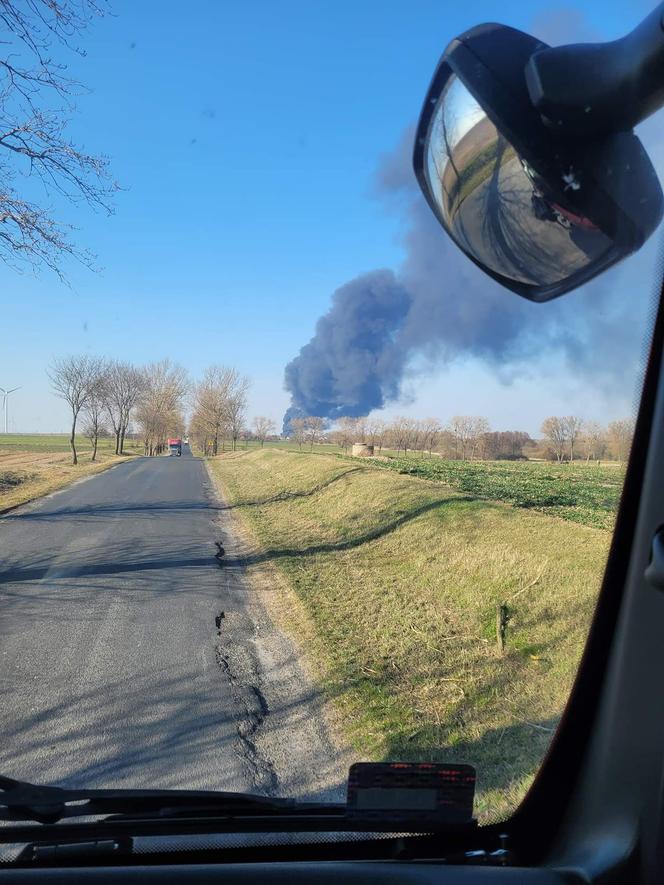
point(495, 205)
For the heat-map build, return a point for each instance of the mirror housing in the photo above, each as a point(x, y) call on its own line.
point(539, 211)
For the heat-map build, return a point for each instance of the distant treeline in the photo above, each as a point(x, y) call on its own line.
point(467, 437)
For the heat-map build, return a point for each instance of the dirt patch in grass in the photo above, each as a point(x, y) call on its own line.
point(397, 580)
point(9, 480)
point(25, 476)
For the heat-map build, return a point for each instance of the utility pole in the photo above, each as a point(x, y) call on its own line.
point(5, 394)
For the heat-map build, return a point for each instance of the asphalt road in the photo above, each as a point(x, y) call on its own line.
point(117, 666)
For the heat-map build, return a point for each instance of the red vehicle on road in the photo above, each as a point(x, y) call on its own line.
point(175, 447)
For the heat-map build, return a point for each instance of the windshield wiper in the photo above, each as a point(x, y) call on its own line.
point(24, 801)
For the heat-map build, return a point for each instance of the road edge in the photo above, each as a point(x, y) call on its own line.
point(264, 579)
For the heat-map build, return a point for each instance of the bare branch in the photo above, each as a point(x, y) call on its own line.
point(33, 140)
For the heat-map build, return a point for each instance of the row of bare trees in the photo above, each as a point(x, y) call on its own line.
point(466, 437)
point(101, 391)
point(107, 396)
point(567, 434)
point(460, 438)
point(310, 429)
point(219, 405)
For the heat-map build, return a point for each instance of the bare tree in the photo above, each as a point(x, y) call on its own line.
point(263, 427)
point(360, 428)
point(159, 408)
point(94, 409)
point(236, 407)
point(344, 432)
point(416, 436)
point(210, 406)
point(198, 431)
point(123, 386)
point(219, 406)
point(299, 430)
point(376, 432)
point(314, 427)
point(399, 433)
point(467, 431)
point(430, 430)
point(621, 434)
point(555, 431)
point(36, 98)
point(74, 380)
point(595, 440)
point(573, 427)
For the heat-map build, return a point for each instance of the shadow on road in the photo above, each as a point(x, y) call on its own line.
point(104, 510)
point(140, 732)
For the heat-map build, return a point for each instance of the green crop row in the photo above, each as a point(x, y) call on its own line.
point(582, 493)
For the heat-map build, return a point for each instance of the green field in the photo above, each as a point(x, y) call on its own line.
point(579, 492)
point(391, 584)
point(54, 442)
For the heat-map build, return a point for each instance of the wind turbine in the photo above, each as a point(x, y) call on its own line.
point(5, 394)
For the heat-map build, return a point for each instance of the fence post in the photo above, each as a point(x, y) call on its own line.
point(502, 617)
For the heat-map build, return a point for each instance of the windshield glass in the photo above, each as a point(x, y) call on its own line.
point(286, 482)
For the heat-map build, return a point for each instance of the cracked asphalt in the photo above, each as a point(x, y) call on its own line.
point(117, 667)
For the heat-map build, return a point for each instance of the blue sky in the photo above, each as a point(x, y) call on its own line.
point(246, 137)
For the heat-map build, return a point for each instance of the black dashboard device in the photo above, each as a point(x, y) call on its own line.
point(433, 791)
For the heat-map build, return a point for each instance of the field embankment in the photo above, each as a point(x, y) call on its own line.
point(392, 584)
point(33, 465)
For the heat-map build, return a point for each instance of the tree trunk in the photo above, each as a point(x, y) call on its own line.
point(117, 441)
point(72, 441)
point(122, 439)
point(94, 446)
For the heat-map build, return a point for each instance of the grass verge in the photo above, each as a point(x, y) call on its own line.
point(397, 580)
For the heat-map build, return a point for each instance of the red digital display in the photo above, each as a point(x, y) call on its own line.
point(412, 790)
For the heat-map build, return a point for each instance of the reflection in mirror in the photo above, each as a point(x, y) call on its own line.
point(495, 205)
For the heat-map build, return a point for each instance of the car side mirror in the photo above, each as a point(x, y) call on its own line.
point(540, 207)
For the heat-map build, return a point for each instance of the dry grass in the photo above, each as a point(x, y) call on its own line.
point(25, 476)
point(397, 580)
